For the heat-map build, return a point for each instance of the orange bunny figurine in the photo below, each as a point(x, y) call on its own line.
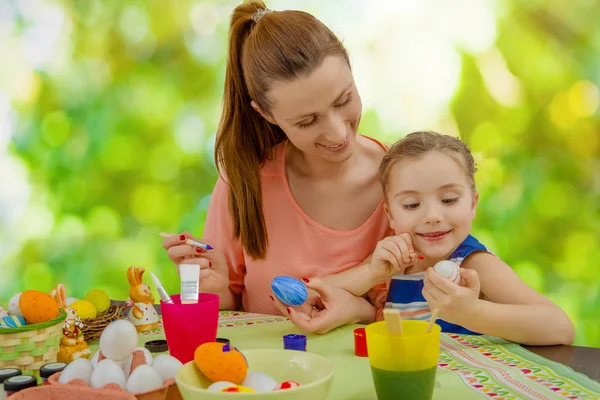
point(72, 343)
point(142, 315)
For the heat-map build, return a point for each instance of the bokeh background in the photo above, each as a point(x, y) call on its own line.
point(108, 112)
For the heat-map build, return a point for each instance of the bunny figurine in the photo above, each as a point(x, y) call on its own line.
point(72, 343)
point(142, 315)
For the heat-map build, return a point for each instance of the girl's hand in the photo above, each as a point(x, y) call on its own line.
point(339, 308)
point(392, 256)
point(454, 303)
point(214, 273)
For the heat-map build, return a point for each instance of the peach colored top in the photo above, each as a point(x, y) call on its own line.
point(297, 246)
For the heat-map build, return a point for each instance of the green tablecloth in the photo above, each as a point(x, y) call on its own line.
point(470, 367)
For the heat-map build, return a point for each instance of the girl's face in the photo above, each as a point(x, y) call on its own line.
point(319, 112)
point(430, 198)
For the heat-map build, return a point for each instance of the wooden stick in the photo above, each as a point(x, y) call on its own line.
point(434, 315)
point(393, 321)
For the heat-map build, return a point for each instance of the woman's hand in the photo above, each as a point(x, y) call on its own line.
point(214, 274)
point(454, 303)
point(339, 307)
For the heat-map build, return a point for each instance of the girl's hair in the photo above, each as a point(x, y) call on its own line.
point(264, 47)
point(416, 144)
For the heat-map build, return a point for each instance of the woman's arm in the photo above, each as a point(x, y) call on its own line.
point(510, 309)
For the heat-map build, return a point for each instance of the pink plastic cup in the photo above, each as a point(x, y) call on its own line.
point(187, 326)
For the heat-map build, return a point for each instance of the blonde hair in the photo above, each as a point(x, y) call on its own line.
point(264, 47)
point(417, 144)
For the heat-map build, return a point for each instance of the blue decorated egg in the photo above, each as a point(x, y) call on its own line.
point(12, 321)
point(290, 291)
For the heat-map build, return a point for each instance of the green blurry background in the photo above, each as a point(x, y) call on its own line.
point(108, 112)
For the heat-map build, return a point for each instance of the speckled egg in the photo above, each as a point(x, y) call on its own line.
point(37, 307)
point(12, 321)
point(450, 271)
point(290, 291)
point(221, 362)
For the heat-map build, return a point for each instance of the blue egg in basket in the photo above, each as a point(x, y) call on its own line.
point(290, 291)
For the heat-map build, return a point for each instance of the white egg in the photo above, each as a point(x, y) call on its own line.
point(3, 312)
point(94, 359)
point(107, 371)
point(449, 270)
point(118, 340)
point(143, 379)
point(166, 366)
point(215, 387)
point(13, 305)
point(259, 382)
point(127, 362)
point(70, 300)
point(80, 368)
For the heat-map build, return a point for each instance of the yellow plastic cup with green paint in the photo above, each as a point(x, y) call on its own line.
point(403, 366)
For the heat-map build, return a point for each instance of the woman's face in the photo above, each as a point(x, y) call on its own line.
point(319, 112)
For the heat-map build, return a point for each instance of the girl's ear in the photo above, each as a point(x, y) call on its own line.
point(389, 216)
point(474, 205)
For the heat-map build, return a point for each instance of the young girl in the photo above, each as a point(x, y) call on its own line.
point(430, 200)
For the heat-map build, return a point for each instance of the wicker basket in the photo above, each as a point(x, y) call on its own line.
point(92, 328)
point(31, 346)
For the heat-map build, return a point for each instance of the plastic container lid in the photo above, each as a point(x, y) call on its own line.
point(6, 373)
point(18, 383)
point(51, 369)
point(157, 346)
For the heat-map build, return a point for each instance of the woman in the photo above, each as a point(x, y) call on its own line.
point(298, 192)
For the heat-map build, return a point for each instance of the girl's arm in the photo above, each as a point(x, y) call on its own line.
point(392, 255)
point(510, 309)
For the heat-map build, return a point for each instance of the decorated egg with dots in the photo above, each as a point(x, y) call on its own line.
point(221, 362)
point(449, 270)
point(287, 385)
point(290, 291)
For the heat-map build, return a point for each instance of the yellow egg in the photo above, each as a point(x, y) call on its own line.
point(99, 299)
point(37, 306)
point(84, 309)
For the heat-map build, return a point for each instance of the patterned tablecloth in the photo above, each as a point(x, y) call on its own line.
point(470, 367)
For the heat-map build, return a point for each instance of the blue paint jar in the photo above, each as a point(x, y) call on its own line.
point(294, 342)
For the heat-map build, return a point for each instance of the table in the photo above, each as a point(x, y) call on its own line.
point(470, 367)
point(585, 360)
point(582, 359)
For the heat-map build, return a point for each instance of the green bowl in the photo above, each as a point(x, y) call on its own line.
point(314, 373)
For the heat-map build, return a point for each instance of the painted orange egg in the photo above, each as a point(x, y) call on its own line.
point(37, 306)
point(221, 362)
